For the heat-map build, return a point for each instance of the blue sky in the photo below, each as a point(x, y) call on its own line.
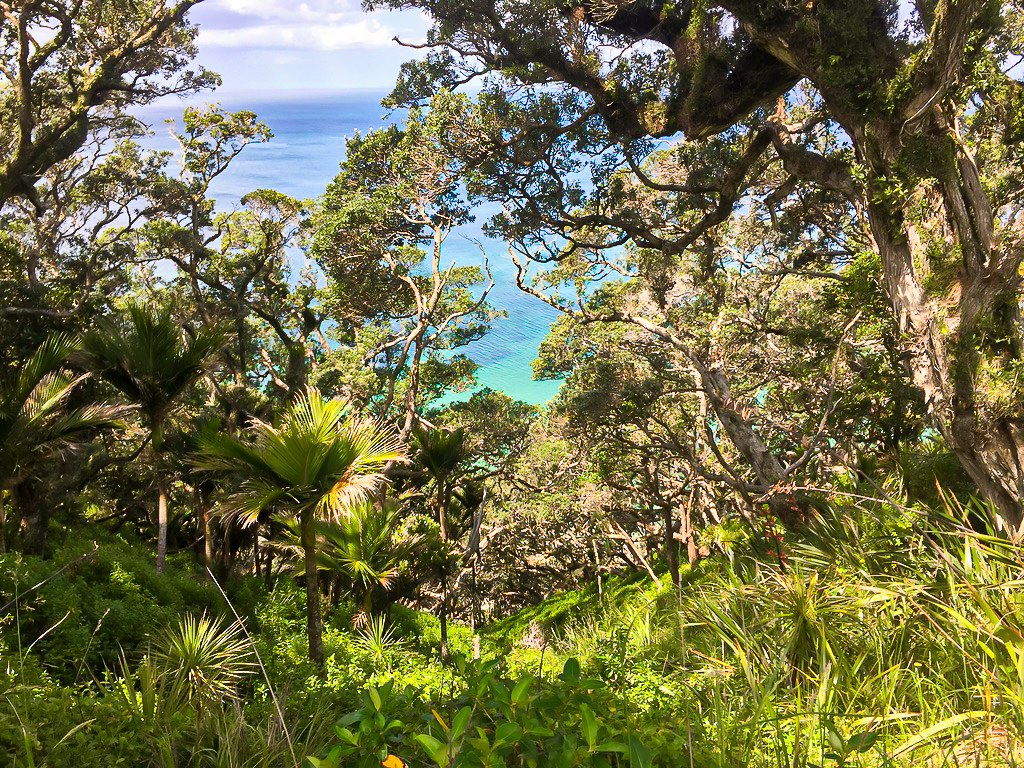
point(317, 44)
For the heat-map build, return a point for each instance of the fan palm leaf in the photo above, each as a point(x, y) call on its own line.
point(363, 549)
point(145, 357)
point(315, 466)
point(34, 422)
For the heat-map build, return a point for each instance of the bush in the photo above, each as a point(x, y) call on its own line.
point(103, 606)
point(496, 720)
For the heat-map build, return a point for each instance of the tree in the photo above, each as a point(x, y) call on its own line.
point(364, 550)
point(73, 68)
point(144, 357)
point(914, 128)
point(315, 466)
point(35, 422)
point(441, 451)
point(379, 233)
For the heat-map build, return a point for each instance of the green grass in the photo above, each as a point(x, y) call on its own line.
point(880, 638)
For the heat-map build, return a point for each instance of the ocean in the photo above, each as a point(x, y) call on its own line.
point(310, 129)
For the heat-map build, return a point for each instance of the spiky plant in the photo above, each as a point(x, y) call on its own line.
point(201, 660)
point(315, 466)
point(378, 640)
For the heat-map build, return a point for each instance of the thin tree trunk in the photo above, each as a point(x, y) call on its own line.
point(204, 514)
point(691, 543)
point(671, 548)
point(443, 613)
point(442, 515)
point(475, 601)
point(3, 521)
point(161, 521)
point(256, 552)
point(314, 624)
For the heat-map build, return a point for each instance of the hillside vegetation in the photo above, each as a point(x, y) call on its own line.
point(254, 510)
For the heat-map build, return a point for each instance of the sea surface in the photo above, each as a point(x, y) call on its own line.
point(310, 129)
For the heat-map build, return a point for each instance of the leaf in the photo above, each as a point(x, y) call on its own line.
point(639, 755)
point(346, 735)
point(520, 691)
point(73, 731)
point(571, 671)
point(507, 733)
point(437, 751)
point(374, 697)
point(590, 726)
point(611, 746)
point(836, 740)
point(350, 718)
point(459, 723)
point(863, 741)
point(915, 741)
point(440, 719)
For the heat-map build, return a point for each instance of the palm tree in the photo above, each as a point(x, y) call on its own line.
point(362, 549)
point(315, 466)
point(33, 421)
point(147, 359)
point(441, 452)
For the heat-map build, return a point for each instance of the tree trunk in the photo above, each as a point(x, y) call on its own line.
point(956, 334)
point(314, 624)
point(35, 517)
point(443, 499)
point(204, 517)
point(472, 618)
point(256, 552)
point(161, 521)
point(297, 374)
point(688, 515)
point(3, 521)
point(442, 511)
point(443, 613)
point(671, 548)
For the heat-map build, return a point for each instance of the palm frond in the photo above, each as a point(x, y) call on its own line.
point(145, 356)
point(50, 356)
point(316, 459)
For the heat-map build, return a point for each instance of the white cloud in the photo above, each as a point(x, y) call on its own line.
point(286, 9)
point(304, 44)
point(325, 25)
point(365, 33)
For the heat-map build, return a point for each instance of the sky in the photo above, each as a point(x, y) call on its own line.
point(258, 45)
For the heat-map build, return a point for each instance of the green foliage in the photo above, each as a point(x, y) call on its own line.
point(552, 614)
point(567, 721)
point(143, 355)
point(106, 604)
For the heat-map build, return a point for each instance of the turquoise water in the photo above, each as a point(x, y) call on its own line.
point(309, 143)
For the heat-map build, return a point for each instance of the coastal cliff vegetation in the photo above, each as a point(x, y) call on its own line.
point(255, 510)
